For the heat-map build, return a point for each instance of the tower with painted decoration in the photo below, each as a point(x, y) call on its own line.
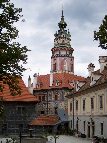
point(53, 88)
point(62, 59)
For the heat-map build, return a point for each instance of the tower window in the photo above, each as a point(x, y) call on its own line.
point(54, 66)
point(71, 67)
point(65, 65)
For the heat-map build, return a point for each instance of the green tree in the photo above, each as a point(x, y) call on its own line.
point(12, 54)
point(101, 35)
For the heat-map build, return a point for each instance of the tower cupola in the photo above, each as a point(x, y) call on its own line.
point(62, 24)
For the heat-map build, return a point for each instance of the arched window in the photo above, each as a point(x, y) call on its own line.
point(65, 65)
point(54, 65)
point(56, 97)
point(71, 67)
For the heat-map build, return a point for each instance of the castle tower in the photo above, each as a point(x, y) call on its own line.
point(62, 59)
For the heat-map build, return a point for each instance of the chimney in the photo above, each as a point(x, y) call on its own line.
point(90, 68)
point(35, 80)
point(29, 81)
point(51, 78)
point(102, 62)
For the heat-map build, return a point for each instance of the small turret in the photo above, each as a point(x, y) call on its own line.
point(35, 80)
point(90, 68)
point(51, 78)
point(29, 82)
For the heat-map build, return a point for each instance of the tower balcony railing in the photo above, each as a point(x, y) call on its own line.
point(61, 55)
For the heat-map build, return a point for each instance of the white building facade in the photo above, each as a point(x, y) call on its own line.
point(87, 106)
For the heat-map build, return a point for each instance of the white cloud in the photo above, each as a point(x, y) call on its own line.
point(41, 19)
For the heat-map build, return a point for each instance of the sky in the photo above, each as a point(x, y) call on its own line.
point(41, 19)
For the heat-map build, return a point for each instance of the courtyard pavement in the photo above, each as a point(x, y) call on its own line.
point(69, 139)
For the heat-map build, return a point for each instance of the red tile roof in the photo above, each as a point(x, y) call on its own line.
point(60, 80)
point(25, 95)
point(101, 80)
point(45, 120)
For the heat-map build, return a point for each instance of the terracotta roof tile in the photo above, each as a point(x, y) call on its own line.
point(45, 120)
point(101, 80)
point(60, 80)
point(25, 95)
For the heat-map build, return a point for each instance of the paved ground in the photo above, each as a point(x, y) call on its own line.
point(61, 139)
point(4, 140)
point(69, 139)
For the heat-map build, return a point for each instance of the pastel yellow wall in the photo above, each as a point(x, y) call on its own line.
point(88, 111)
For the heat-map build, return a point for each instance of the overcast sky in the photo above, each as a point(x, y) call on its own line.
point(41, 22)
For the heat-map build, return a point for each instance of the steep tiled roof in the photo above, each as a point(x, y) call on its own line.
point(60, 80)
point(101, 80)
point(25, 95)
point(97, 72)
point(45, 120)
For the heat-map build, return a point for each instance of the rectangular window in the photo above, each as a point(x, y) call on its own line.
point(84, 125)
point(39, 98)
point(23, 110)
point(101, 102)
point(70, 106)
point(56, 97)
point(19, 110)
point(92, 103)
point(71, 124)
point(4, 126)
point(76, 105)
point(101, 128)
point(43, 98)
point(20, 127)
point(50, 97)
point(83, 104)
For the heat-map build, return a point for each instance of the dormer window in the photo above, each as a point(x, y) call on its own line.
point(57, 83)
point(94, 77)
point(72, 83)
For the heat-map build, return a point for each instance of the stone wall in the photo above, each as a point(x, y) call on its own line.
point(17, 116)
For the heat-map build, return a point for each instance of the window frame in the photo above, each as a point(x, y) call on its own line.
point(102, 128)
point(76, 105)
point(83, 104)
point(101, 101)
point(92, 103)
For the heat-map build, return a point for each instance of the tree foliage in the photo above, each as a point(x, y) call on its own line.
point(101, 35)
point(12, 54)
